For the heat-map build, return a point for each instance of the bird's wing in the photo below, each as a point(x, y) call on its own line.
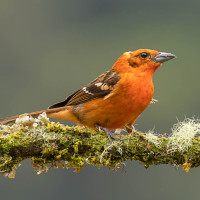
point(98, 88)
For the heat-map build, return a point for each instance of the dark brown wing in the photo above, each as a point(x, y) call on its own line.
point(98, 88)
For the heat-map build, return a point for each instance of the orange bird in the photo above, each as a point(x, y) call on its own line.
point(115, 99)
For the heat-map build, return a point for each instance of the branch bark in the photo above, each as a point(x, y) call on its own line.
point(46, 143)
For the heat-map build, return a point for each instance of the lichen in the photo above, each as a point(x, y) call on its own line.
point(183, 134)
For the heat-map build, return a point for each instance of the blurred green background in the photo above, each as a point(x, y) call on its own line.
point(48, 49)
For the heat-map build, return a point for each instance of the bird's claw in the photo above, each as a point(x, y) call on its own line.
point(130, 128)
point(108, 132)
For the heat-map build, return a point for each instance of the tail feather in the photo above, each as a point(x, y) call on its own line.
point(11, 120)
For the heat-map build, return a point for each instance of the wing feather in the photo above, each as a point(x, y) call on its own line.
point(98, 88)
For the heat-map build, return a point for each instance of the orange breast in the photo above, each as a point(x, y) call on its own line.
point(128, 100)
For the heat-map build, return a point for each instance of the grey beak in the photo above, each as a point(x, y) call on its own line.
point(163, 57)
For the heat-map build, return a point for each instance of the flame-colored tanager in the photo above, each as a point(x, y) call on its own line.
point(115, 99)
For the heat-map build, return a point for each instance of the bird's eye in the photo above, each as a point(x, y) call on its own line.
point(144, 55)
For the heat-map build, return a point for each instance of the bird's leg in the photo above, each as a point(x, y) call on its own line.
point(108, 132)
point(130, 128)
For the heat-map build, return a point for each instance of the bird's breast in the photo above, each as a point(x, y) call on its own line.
point(123, 106)
point(137, 91)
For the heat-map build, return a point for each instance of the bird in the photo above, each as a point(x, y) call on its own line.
point(115, 99)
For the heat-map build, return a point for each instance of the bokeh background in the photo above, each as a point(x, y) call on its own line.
point(48, 49)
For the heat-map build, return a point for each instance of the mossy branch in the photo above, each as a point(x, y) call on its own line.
point(46, 143)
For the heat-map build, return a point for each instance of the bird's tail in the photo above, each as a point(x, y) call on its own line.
point(50, 113)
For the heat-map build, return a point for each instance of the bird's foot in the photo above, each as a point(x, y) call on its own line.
point(130, 128)
point(108, 132)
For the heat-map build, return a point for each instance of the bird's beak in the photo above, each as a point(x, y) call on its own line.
point(162, 57)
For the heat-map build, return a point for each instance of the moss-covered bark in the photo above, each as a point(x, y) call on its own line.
point(49, 143)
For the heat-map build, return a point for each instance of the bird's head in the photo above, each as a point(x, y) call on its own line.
point(141, 60)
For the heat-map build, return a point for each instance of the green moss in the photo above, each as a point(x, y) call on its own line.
point(49, 145)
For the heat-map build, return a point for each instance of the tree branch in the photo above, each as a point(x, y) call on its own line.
point(46, 143)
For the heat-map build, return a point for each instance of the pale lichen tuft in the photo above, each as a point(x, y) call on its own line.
point(183, 134)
